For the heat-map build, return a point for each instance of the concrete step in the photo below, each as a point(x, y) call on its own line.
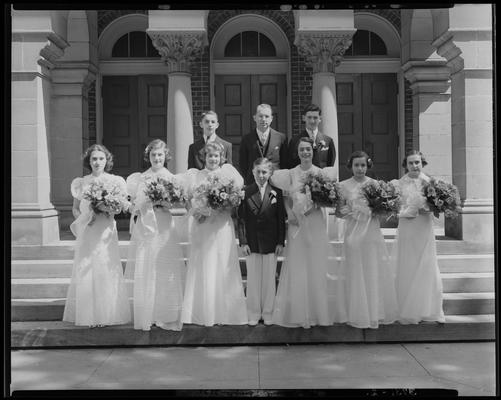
point(40, 334)
point(468, 282)
point(61, 268)
point(51, 309)
point(64, 249)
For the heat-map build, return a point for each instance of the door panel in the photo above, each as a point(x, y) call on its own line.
point(380, 135)
point(236, 99)
point(134, 113)
point(121, 121)
point(349, 109)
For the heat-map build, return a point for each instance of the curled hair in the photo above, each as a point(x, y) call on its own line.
point(98, 147)
point(312, 107)
point(359, 154)
point(210, 112)
point(157, 144)
point(215, 147)
point(262, 161)
point(305, 139)
point(414, 153)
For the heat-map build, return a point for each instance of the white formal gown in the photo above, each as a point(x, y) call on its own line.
point(310, 289)
point(370, 283)
point(155, 259)
point(97, 294)
point(418, 282)
point(214, 291)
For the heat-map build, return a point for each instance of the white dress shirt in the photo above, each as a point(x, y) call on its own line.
point(312, 134)
point(263, 136)
point(262, 189)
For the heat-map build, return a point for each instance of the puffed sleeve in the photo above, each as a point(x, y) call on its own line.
point(231, 172)
point(120, 182)
point(132, 184)
point(329, 172)
point(281, 178)
point(187, 179)
point(76, 188)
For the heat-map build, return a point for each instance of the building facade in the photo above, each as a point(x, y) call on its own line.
point(387, 80)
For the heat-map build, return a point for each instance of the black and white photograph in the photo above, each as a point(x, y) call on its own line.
point(277, 199)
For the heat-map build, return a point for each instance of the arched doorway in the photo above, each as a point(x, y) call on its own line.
point(250, 66)
point(132, 92)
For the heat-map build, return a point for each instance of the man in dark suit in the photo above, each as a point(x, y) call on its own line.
point(263, 142)
point(261, 233)
point(209, 124)
point(324, 151)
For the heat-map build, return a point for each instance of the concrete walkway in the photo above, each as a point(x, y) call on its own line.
point(466, 367)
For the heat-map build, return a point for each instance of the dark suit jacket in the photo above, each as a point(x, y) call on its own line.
point(275, 149)
point(196, 157)
point(323, 155)
point(261, 224)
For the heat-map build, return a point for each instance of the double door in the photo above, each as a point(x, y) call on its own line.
point(236, 99)
point(367, 120)
point(134, 113)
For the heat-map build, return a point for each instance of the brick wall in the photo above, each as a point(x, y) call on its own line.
point(92, 113)
point(409, 145)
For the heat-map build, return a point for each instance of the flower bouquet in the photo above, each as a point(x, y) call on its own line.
point(324, 192)
point(215, 194)
point(165, 192)
point(442, 197)
point(106, 197)
point(382, 198)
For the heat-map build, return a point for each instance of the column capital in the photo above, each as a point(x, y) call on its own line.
point(447, 48)
point(178, 49)
point(323, 50)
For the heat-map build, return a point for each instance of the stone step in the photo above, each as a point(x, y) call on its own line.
point(61, 268)
point(42, 334)
point(65, 249)
point(51, 309)
point(54, 287)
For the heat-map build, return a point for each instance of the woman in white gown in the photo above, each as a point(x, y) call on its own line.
point(309, 291)
point(214, 292)
point(418, 282)
point(155, 256)
point(370, 285)
point(97, 294)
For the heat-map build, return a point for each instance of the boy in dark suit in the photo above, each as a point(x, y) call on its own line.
point(262, 142)
point(196, 155)
point(261, 232)
point(324, 151)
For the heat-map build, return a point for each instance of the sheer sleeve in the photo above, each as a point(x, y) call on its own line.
point(132, 184)
point(188, 179)
point(329, 172)
point(281, 178)
point(229, 171)
point(76, 188)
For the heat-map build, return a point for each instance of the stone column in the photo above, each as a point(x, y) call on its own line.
point(69, 135)
point(178, 50)
point(468, 53)
point(34, 218)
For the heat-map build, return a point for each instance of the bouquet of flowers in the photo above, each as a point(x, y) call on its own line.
point(324, 191)
point(106, 197)
point(442, 197)
point(215, 194)
point(165, 192)
point(382, 198)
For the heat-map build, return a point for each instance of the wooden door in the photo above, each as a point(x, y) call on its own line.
point(380, 136)
point(367, 120)
point(134, 113)
point(236, 99)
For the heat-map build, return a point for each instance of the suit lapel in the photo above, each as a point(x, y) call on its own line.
point(255, 198)
point(266, 198)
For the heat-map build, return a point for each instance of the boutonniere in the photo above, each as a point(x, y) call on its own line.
point(323, 145)
point(273, 193)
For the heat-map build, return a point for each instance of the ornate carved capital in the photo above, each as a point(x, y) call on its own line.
point(178, 50)
point(323, 51)
point(448, 49)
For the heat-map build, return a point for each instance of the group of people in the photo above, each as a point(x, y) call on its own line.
point(364, 285)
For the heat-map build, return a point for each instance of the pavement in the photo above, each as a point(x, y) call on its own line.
point(468, 367)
